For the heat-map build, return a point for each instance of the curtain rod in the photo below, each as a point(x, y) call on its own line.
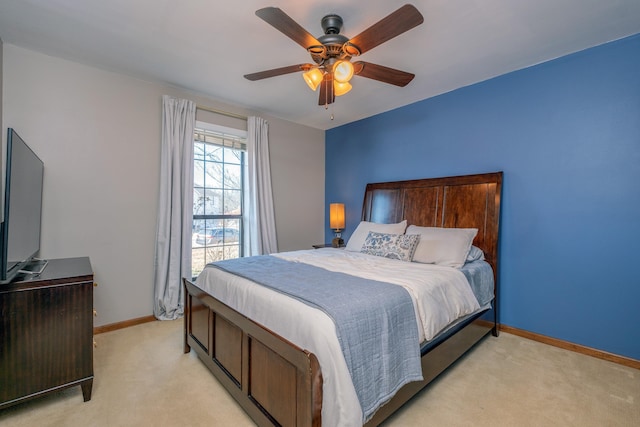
point(223, 113)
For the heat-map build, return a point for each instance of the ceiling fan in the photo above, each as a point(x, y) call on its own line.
point(332, 52)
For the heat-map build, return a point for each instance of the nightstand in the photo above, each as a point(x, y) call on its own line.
point(324, 245)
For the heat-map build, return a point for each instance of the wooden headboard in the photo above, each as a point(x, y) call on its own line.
point(470, 201)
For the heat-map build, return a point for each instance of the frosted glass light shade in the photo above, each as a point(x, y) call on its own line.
point(313, 77)
point(342, 71)
point(341, 88)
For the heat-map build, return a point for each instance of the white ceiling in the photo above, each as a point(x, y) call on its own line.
point(208, 45)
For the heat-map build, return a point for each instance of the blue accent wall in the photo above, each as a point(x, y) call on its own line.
point(566, 133)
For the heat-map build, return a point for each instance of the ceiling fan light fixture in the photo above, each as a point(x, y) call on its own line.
point(340, 88)
point(313, 77)
point(332, 52)
point(342, 71)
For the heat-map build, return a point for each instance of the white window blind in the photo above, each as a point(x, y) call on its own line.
point(219, 138)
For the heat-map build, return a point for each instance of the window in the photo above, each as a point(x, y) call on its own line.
point(218, 185)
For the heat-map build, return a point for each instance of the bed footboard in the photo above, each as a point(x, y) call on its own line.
point(262, 371)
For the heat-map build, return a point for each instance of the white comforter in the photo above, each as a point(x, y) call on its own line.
point(440, 296)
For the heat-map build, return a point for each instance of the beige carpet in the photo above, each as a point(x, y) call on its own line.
point(142, 378)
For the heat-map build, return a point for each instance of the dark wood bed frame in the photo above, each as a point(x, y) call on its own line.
point(278, 383)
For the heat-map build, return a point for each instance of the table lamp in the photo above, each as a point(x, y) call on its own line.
point(336, 221)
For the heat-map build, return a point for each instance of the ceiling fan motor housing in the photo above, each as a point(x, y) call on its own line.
point(331, 24)
point(332, 41)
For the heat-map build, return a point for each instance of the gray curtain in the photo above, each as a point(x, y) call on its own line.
point(260, 224)
point(175, 208)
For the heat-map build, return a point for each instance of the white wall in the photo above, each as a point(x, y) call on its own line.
point(98, 134)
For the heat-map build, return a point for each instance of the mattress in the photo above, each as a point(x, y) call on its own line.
point(440, 295)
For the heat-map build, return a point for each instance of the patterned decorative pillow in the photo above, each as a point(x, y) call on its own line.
point(355, 242)
point(394, 246)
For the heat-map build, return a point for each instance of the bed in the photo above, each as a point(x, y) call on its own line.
point(277, 377)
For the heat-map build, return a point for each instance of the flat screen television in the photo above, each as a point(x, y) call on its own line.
point(20, 229)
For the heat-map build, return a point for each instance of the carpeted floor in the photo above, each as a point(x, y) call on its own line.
point(142, 378)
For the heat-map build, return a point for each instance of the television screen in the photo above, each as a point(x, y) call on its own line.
point(20, 229)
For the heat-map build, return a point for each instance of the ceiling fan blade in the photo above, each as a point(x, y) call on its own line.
point(277, 72)
point(382, 73)
point(387, 28)
point(290, 28)
point(326, 90)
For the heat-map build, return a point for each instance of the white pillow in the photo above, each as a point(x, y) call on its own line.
point(362, 231)
point(443, 246)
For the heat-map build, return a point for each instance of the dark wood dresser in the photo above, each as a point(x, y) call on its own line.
point(46, 332)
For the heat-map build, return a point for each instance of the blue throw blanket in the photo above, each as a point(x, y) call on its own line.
point(375, 321)
point(479, 274)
